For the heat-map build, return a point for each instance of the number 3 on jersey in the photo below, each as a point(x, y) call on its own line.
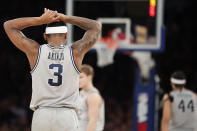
point(56, 74)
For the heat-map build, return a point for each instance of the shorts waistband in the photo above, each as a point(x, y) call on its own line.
point(66, 107)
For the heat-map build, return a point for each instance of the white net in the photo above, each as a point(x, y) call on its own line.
point(105, 55)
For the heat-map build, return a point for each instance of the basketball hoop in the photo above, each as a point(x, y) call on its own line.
point(106, 48)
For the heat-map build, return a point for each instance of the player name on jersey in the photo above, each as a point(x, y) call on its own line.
point(56, 56)
point(183, 95)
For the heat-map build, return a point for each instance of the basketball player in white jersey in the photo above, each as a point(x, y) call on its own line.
point(55, 67)
point(179, 111)
point(91, 110)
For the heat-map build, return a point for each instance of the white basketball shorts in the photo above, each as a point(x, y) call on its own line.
point(55, 119)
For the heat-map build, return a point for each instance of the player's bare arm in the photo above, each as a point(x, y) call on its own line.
point(93, 29)
point(94, 101)
point(28, 46)
point(166, 113)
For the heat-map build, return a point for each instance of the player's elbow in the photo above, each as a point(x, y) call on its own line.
point(6, 25)
point(98, 27)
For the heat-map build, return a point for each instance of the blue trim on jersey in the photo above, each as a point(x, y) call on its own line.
point(53, 47)
point(37, 61)
point(71, 54)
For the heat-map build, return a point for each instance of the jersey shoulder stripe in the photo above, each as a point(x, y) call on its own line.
point(73, 62)
point(37, 61)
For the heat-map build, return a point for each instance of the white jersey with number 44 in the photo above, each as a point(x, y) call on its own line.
point(183, 110)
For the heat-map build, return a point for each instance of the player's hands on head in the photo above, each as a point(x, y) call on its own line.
point(62, 17)
point(49, 16)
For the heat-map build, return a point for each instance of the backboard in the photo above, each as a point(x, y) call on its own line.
point(137, 23)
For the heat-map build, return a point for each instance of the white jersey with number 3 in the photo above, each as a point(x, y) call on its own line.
point(183, 111)
point(55, 78)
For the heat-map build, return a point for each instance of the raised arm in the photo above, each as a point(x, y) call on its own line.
point(28, 46)
point(93, 29)
point(13, 29)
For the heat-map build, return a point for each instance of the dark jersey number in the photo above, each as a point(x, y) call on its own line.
point(181, 106)
point(189, 106)
point(56, 74)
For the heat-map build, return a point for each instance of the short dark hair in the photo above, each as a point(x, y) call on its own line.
point(87, 69)
point(54, 24)
point(180, 76)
